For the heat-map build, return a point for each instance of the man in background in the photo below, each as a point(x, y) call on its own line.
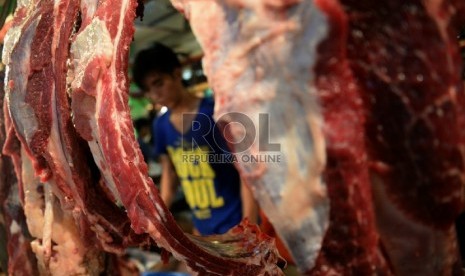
point(187, 139)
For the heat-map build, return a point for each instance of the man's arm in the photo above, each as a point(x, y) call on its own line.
point(168, 182)
point(249, 204)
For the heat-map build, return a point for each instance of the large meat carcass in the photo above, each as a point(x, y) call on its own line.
point(365, 107)
point(366, 102)
point(66, 92)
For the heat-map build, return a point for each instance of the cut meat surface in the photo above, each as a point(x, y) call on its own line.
point(351, 244)
point(85, 154)
point(385, 115)
point(242, 50)
point(14, 235)
point(44, 123)
point(415, 102)
point(363, 115)
point(39, 108)
point(99, 80)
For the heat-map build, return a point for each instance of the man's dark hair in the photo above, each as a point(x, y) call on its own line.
point(158, 58)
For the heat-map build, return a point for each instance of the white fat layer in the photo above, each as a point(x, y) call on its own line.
point(47, 231)
point(11, 39)
point(58, 246)
point(16, 31)
point(267, 60)
point(37, 248)
point(93, 42)
point(23, 3)
point(115, 83)
point(15, 228)
point(33, 200)
point(89, 7)
point(15, 89)
point(160, 211)
point(99, 159)
point(60, 156)
point(67, 254)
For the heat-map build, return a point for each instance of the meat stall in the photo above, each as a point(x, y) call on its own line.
point(367, 105)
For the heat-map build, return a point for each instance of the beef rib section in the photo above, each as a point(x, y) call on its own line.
point(67, 92)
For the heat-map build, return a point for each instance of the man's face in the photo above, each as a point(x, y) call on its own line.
point(163, 89)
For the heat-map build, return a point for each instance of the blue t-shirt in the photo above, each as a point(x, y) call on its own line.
point(203, 163)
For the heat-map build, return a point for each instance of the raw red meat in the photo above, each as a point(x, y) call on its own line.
point(408, 67)
point(39, 108)
point(351, 245)
point(94, 173)
point(383, 104)
point(15, 237)
point(262, 53)
point(99, 101)
point(365, 115)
